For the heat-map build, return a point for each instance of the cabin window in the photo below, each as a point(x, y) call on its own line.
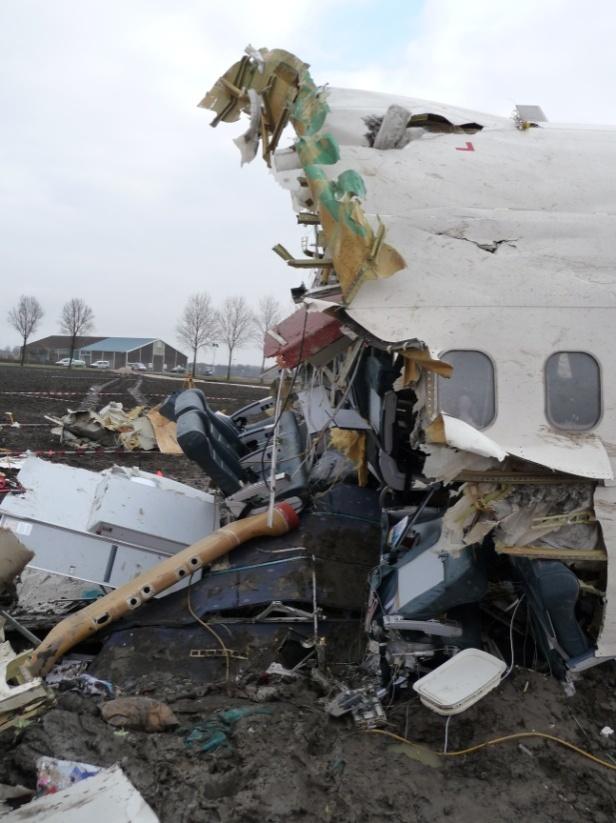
point(469, 393)
point(572, 390)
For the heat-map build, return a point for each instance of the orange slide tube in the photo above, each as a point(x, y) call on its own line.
point(142, 588)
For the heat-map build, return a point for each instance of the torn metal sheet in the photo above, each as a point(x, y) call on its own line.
point(319, 413)
point(305, 335)
point(248, 143)
point(460, 435)
point(356, 247)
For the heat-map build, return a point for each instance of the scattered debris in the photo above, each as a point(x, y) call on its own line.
point(71, 675)
point(216, 733)
point(135, 429)
point(53, 775)
point(22, 697)
point(363, 704)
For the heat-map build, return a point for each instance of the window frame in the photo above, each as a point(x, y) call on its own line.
point(556, 426)
point(442, 356)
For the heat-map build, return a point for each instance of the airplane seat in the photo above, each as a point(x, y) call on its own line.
point(393, 475)
point(375, 376)
point(373, 395)
point(213, 444)
point(242, 438)
point(222, 430)
point(167, 407)
point(423, 585)
point(194, 435)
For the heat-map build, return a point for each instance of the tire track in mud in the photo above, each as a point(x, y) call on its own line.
point(92, 398)
point(135, 392)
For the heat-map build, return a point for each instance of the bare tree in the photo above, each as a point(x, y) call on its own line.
point(76, 319)
point(269, 313)
point(198, 324)
point(236, 323)
point(24, 318)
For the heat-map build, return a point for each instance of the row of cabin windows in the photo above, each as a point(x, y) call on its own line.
point(572, 389)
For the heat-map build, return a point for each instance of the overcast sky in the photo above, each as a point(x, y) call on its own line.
point(114, 188)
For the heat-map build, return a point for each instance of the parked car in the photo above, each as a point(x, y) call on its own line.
point(67, 360)
point(178, 369)
point(101, 364)
point(137, 366)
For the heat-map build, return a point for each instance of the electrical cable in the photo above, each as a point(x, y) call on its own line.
point(226, 651)
point(286, 400)
point(446, 741)
point(511, 664)
point(494, 741)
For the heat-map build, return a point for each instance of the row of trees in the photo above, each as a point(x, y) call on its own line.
point(76, 319)
point(235, 324)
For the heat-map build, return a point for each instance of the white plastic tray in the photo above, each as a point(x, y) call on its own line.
point(461, 681)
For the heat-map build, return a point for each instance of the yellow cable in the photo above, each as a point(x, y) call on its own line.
point(496, 740)
point(226, 651)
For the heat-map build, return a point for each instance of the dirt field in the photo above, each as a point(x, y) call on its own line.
point(33, 392)
point(295, 763)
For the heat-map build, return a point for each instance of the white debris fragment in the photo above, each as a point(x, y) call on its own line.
point(108, 796)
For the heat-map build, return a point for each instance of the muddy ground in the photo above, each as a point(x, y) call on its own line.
point(295, 763)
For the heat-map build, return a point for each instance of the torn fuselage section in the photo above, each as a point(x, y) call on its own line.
point(453, 369)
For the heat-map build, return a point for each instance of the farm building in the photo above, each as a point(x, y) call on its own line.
point(54, 347)
point(122, 351)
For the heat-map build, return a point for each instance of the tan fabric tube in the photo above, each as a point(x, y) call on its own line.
point(142, 588)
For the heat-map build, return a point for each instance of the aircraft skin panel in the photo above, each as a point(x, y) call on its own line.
point(489, 169)
point(350, 107)
point(519, 342)
point(583, 455)
point(528, 260)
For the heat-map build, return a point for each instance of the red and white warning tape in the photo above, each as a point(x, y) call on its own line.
point(73, 452)
point(52, 394)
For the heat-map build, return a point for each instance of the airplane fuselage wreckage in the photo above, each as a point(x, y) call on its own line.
point(443, 416)
point(463, 265)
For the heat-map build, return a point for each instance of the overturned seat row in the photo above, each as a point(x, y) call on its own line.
point(237, 454)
